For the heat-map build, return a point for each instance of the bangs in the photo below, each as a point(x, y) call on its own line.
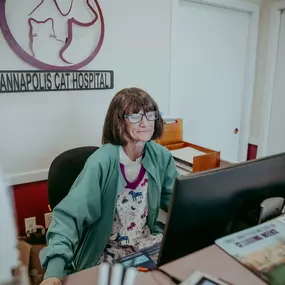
point(134, 104)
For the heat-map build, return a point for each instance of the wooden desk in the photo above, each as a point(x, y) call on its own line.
point(211, 260)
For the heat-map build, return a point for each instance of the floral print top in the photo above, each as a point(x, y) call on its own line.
point(130, 232)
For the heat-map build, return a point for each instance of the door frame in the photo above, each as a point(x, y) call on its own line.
point(253, 10)
point(273, 41)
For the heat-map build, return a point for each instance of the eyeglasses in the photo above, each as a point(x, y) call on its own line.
point(136, 118)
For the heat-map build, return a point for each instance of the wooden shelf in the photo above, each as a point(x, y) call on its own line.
point(172, 133)
point(209, 160)
point(172, 139)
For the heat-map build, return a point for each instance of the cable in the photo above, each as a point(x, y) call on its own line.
point(172, 278)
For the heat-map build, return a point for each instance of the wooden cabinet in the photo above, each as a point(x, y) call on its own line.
point(172, 139)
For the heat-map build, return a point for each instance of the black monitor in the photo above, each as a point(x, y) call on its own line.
point(208, 205)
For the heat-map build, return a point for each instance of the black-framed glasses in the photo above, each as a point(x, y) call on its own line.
point(136, 118)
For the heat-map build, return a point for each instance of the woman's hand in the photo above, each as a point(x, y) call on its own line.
point(52, 281)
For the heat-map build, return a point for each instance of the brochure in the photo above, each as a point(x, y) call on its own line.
point(261, 249)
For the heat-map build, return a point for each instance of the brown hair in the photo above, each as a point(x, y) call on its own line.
point(125, 102)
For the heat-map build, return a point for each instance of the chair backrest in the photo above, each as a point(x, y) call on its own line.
point(64, 170)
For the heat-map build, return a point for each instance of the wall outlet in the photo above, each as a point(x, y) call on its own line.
point(30, 225)
point(48, 217)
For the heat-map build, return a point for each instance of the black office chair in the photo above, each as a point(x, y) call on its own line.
point(64, 170)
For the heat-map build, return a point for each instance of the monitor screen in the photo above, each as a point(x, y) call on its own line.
point(208, 205)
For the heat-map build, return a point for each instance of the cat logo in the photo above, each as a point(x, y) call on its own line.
point(53, 34)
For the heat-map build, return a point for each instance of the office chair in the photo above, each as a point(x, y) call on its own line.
point(64, 170)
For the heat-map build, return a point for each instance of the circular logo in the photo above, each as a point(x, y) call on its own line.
point(53, 34)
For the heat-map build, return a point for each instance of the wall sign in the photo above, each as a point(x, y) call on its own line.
point(53, 34)
point(35, 81)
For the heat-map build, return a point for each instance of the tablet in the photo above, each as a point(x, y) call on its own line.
point(146, 258)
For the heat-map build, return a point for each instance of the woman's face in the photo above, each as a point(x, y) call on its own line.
point(140, 128)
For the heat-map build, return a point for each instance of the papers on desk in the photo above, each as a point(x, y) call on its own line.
point(261, 249)
point(169, 120)
point(186, 154)
point(184, 159)
point(183, 168)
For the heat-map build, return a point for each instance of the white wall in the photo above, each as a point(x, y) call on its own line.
point(257, 2)
point(261, 68)
point(35, 127)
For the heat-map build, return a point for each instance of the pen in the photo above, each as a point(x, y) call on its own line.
point(104, 274)
point(142, 269)
point(130, 276)
point(117, 274)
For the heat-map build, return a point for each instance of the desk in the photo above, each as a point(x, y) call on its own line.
point(211, 260)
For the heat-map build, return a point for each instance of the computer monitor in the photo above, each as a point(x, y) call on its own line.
point(208, 205)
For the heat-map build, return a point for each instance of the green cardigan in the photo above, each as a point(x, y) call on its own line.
point(82, 222)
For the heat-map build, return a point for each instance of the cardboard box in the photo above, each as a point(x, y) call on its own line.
point(29, 256)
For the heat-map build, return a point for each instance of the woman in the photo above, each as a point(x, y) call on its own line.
point(112, 208)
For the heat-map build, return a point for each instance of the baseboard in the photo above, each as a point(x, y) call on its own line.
point(27, 177)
